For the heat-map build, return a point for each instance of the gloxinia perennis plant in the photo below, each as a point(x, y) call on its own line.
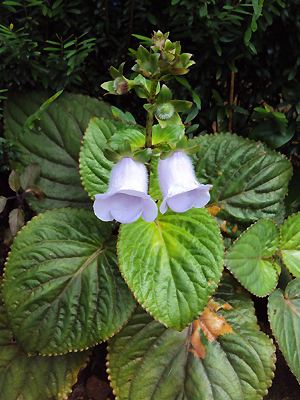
point(72, 281)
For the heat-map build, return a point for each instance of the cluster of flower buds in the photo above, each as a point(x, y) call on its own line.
point(163, 60)
point(127, 199)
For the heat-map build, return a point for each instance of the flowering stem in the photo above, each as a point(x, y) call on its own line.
point(149, 120)
point(149, 123)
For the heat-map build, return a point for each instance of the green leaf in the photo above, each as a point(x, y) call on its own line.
point(169, 134)
point(95, 164)
point(284, 317)
point(95, 168)
point(135, 137)
point(270, 127)
point(148, 361)
point(172, 265)
point(290, 244)
point(34, 377)
point(249, 180)
point(36, 116)
point(250, 258)
point(55, 149)
point(62, 288)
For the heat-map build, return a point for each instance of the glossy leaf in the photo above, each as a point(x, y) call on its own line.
point(62, 287)
point(249, 180)
point(172, 265)
point(148, 361)
point(53, 143)
point(34, 377)
point(284, 316)
point(290, 244)
point(250, 258)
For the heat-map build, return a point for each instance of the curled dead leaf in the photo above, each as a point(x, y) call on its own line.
point(211, 324)
point(214, 210)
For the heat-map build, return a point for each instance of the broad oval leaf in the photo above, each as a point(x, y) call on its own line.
point(148, 361)
point(172, 265)
point(53, 143)
point(250, 258)
point(290, 244)
point(34, 377)
point(284, 317)
point(62, 287)
point(249, 180)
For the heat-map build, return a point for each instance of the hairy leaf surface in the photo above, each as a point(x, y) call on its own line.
point(34, 377)
point(249, 180)
point(148, 361)
point(52, 142)
point(172, 265)
point(290, 244)
point(284, 316)
point(251, 260)
point(62, 288)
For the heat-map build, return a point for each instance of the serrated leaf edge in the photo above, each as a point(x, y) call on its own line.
point(116, 390)
point(146, 308)
point(276, 337)
point(294, 215)
point(235, 241)
point(72, 350)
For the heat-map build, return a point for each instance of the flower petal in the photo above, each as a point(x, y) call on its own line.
point(150, 210)
point(183, 201)
point(203, 196)
point(126, 208)
point(102, 207)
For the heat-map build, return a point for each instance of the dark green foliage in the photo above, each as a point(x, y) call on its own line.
point(71, 44)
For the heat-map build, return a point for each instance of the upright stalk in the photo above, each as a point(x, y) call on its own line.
point(150, 116)
point(231, 101)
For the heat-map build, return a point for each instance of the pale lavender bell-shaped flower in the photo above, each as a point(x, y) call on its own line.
point(179, 185)
point(126, 199)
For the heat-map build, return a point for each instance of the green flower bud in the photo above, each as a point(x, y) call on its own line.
point(165, 111)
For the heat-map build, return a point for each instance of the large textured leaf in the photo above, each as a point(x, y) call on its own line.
point(148, 361)
point(53, 143)
point(290, 244)
point(62, 288)
point(249, 180)
point(284, 316)
point(25, 377)
point(172, 265)
point(250, 258)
